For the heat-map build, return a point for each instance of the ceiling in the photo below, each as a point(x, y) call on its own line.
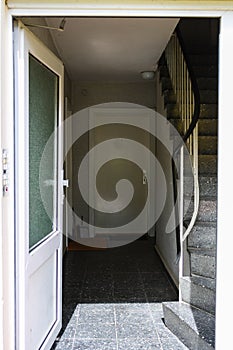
point(111, 49)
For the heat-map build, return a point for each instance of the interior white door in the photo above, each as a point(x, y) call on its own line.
point(38, 115)
point(119, 168)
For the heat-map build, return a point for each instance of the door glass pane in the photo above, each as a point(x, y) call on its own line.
point(43, 107)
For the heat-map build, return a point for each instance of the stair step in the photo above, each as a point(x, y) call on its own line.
point(207, 127)
point(207, 210)
point(199, 292)
point(208, 186)
point(210, 71)
point(203, 59)
point(207, 83)
point(194, 327)
point(203, 262)
point(208, 144)
point(207, 111)
point(203, 235)
point(208, 96)
point(207, 164)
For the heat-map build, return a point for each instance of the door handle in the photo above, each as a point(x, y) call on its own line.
point(144, 178)
point(65, 183)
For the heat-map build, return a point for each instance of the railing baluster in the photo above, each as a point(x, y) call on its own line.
point(188, 102)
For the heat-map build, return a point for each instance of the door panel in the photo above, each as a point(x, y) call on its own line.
point(38, 114)
point(43, 87)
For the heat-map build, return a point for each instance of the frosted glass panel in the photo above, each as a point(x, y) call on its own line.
point(43, 87)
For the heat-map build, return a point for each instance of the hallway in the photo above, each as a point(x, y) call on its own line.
point(112, 300)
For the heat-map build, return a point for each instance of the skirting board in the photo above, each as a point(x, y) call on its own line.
point(173, 277)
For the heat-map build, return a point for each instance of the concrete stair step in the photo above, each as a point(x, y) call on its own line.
point(207, 127)
point(207, 210)
point(194, 327)
point(207, 111)
point(203, 59)
point(203, 236)
point(206, 96)
point(208, 144)
point(207, 164)
point(207, 83)
point(203, 262)
point(210, 71)
point(199, 292)
point(208, 186)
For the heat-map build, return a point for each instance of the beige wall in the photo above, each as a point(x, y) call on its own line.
point(87, 94)
point(165, 242)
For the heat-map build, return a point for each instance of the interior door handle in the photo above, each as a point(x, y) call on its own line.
point(65, 183)
point(144, 178)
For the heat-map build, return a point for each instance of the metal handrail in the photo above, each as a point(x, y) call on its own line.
point(188, 100)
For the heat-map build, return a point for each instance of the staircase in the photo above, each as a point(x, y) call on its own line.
point(192, 319)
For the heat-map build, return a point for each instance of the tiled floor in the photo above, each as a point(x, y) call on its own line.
point(112, 300)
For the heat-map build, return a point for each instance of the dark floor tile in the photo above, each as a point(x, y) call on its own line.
point(97, 296)
point(99, 267)
point(127, 280)
point(98, 280)
point(96, 331)
point(160, 294)
point(153, 279)
point(96, 313)
point(95, 344)
point(129, 295)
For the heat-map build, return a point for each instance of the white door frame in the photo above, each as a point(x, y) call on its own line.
point(150, 8)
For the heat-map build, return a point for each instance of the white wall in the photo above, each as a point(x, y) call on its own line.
point(87, 94)
point(165, 242)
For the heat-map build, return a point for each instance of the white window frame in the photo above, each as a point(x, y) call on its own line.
point(150, 8)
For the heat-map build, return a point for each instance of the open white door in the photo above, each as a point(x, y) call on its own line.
point(38, 114)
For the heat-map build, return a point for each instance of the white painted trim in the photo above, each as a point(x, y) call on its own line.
point(224, 301)
point(7, 210)
point(153, 12)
